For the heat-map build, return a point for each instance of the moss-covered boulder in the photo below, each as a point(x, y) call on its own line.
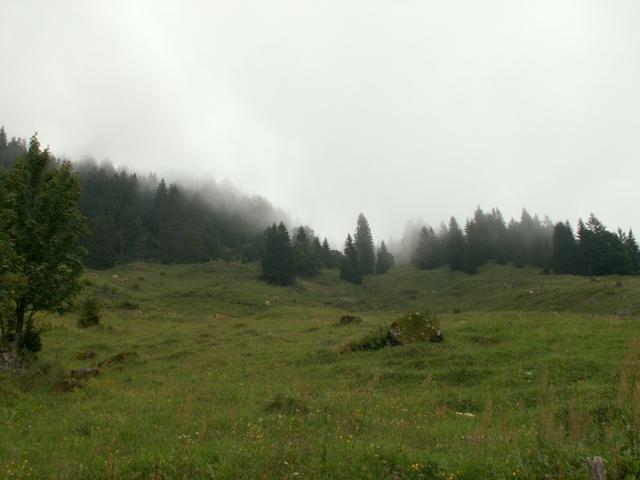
point(416, 327)
point(413, 328)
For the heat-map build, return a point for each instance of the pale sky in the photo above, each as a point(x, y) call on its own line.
point(398, 109)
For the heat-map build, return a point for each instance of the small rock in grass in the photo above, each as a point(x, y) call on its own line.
point(65, 386)
point(87, 355)
point(347, 319)
point(10, 360)
point(119, 358)
point(84, 372)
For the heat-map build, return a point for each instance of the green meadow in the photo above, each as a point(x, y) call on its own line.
point(228, 377)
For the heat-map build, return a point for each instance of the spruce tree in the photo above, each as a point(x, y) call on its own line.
point(325, 256)
point(470, 265)
point(278, 264)
point(633, 252)
point(455, 247)
point(384, 259)
point(564, 256)
point(585, 250)
point(429, 251)
point(350, 270)
point(305, 255)
point(364, 246)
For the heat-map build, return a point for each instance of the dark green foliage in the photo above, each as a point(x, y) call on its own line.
point(135, 218)
point(430, 250)
point(138, 218)
point(529, 241)
point(102, 243)
point(384, 259)
point(374, 340)
point(469, 265)
point(42, 227)
point(564, 257)
point(278, 262)
point(601, 252)
point(455, 246)
point(487, 236)
point(10, 150)
point(326, 256)
point(306, 255)
point(89, 312)
point(593, 251)
point(32, 341)
point(350, 269)
point(633, 252)
point(363, 241)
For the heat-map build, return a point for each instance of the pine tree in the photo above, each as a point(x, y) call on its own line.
point(278, 265)
point(470, 265)
point(429, 251)
point(384, 259)
point(3, 139)
point(325, 255)
point(364, 246)
point(305, 255)
point(350, 270)
point(585, 250)
point(455, 247)
point(101, 244)
point(564, 257)
point(633, 253)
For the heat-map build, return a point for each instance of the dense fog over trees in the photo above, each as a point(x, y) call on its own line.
point(133, 217)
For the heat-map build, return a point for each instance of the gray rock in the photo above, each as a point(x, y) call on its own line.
point(10, 361)
point(417, 327)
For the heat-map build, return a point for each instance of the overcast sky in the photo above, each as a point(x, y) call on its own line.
point(399, 108)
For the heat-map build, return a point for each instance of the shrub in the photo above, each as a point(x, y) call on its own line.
point(374, 340)
point(32, 340)
point(89, 312)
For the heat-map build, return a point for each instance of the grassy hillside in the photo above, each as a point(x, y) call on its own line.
point(233, 378)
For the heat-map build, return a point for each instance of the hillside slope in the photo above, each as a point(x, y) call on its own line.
point(228, 377)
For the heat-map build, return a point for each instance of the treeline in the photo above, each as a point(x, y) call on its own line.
point(359, 259)
point(10, 150)
point(527, 241)
point(139, 218)
point(594, 250)
point(303, 256)
point(285, 259)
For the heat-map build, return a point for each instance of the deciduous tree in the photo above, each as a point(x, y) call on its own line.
point(42, 227)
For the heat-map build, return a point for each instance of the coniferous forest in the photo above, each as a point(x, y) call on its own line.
point(133, 217)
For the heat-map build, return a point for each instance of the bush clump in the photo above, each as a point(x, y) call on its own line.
point(374, 340)
point(89, 312)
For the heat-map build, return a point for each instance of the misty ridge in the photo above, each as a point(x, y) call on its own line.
point(139, 217)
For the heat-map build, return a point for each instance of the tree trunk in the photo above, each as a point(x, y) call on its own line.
point(21, 309)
